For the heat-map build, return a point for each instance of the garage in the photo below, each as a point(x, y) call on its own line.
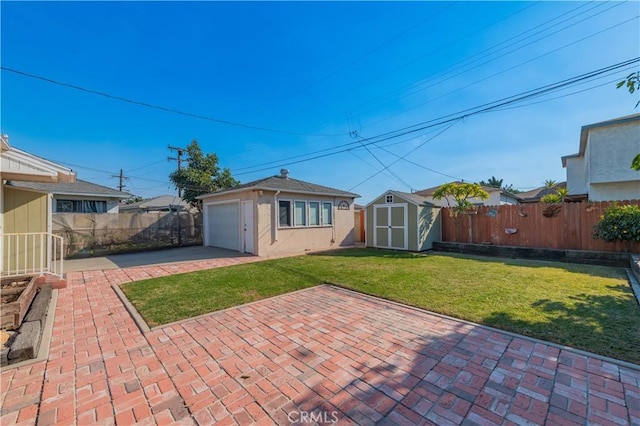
point(222, 225)
point(402, 221)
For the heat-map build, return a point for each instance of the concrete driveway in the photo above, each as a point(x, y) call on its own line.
point(148, 258)
point(322, 355)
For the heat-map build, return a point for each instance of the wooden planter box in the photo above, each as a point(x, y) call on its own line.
point(16, 301)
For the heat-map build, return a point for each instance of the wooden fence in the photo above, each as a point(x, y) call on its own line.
point(556, 226)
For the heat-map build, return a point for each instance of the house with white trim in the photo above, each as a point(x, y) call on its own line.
point(27, 243)
point(278, 215)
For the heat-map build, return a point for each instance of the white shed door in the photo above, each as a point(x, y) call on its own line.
point(223, 226)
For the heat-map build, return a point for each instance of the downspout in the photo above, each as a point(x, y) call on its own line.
point(275, 216)
point(333, 222)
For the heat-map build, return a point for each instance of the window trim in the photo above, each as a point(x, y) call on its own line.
point(319, 217)
point(307, 215)
point(322, 219)
point(290, 214)
point(100, 204)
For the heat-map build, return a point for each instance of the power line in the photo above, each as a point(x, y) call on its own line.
point(498, 73)
point(447, 118)
point(407, 154)
point(157, 107)
point(121, 178)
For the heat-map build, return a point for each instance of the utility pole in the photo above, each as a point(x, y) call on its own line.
point(121, 178)
point(180, 151)
point(178, 158)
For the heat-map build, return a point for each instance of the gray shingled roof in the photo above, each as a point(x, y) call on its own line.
point(279, 183)
point(416, 198)
point(163, 201)
point(535, 194)
point(79, 187)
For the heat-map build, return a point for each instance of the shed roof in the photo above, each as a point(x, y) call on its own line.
point(414, 198)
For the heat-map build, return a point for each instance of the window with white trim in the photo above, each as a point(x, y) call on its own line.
point(327, 213)
point(81, 206)
point(299, 213)
point(314, 213)
point(304, 214)
point(389, 199)
point(284, 213)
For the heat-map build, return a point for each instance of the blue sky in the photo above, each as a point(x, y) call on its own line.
point(321, 77)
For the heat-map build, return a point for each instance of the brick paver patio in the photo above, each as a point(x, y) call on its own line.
point(322, 354)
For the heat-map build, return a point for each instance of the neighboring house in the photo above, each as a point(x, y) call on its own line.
point(402, 221)
point(278, 215)
point(76, 197)
point(535, 195)
point(497, 197)
point(27, 245)
point(601, 171)
point(163, 203)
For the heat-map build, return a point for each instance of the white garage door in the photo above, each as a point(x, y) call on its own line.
point(223, 226)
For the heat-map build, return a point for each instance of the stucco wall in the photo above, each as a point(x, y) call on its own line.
point(270, 239)
point(576, 178)
point(276, 240)
point(615, 191)
point(611, 151)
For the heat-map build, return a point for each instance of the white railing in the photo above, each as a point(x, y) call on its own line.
point(31, 253)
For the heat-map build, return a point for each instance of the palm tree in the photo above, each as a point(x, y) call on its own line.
point(550, 183)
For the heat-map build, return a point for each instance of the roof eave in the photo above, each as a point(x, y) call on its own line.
point(267, 188)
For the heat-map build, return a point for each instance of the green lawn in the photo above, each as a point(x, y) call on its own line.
point(584, 306)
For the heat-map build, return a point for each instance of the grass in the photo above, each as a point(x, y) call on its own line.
point(584, 306)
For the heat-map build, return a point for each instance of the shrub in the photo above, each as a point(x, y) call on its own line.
point(619, 223)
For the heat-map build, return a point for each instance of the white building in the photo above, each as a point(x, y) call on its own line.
point(601, 170)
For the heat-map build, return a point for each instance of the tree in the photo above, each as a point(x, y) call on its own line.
point(493, 182)
point(460, 193)
point(497, 183)
point(133, 199)
point(201, 176)
point(511, 189)
point(556, 197)
point(632, 82)
point(550, 183)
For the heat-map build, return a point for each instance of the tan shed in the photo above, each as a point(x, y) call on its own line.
point(402, 221)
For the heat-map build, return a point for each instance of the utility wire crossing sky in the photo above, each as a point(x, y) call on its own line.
point(358, 96)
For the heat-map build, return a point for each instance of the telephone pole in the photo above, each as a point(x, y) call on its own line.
point(179, 159)
point(121, 178)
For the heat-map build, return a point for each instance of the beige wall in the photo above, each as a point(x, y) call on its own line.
point(270, 239)
point(24, 212)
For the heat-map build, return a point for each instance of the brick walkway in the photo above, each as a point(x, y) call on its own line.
point(319, 354)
